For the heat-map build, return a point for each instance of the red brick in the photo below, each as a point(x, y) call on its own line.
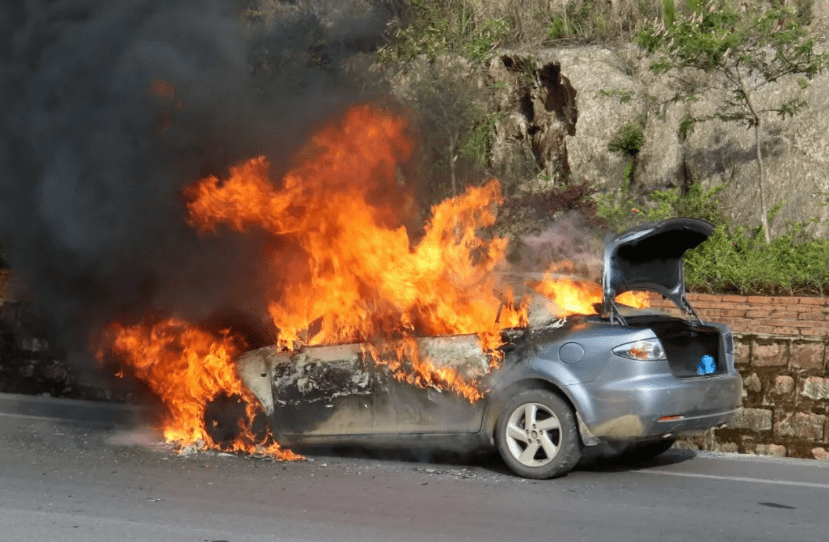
point(786, 300)
point(704, 304)
point(704, 297)
point(732, 313)
point(758, 299)
point(757, 313)
point(775, 323)
point(816, 324)
point(741, 325)
point(784, 315)
point(812, 316)
point(810, 332)
point(786, 330)
point(813, 301)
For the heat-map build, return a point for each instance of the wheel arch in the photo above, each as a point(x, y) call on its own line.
point(503, 395)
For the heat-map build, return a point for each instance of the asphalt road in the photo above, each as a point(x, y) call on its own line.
point(74, 479)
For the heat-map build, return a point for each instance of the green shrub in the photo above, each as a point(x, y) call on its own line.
point(629, 138)
point(732, 260)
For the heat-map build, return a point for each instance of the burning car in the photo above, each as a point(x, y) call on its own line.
point(624, 375)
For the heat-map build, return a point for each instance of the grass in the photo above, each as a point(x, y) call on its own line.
point(476, 28)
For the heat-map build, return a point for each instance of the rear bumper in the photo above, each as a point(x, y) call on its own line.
point(659, 405)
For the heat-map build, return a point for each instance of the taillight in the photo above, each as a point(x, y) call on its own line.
point(644, 350)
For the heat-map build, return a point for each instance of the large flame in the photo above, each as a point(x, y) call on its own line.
point(354, 274)
point(187, 368)
point(365, 279)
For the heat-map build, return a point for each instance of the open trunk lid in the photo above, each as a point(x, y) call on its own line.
point(649, 257)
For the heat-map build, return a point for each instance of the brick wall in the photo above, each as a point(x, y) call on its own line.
point(781, 353)
point(806, 317)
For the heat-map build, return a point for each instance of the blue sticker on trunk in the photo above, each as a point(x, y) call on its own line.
point(706, 365)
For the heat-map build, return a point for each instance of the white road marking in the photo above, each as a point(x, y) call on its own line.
point(737, 479)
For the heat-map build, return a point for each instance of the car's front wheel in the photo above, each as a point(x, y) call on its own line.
point(537, 435)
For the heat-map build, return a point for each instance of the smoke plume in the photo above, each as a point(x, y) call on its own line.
point(110, 107)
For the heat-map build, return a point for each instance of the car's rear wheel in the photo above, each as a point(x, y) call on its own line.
point(537, 436)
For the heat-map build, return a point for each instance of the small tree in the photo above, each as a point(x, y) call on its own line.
point(744, 52)
point(450, 107)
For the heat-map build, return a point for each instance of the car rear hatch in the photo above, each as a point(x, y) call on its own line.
point(649, 257)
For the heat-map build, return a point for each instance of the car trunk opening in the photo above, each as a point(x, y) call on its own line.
point(686, 343)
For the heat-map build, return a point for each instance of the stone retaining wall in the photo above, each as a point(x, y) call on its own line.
point(781, 353)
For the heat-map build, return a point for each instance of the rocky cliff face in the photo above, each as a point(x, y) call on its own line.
point(561, 107)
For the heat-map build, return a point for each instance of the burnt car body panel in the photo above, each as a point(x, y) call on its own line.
point(339, 390)
point(338, 394)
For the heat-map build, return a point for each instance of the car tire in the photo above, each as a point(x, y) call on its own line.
point(536, 435)
point(640, 453)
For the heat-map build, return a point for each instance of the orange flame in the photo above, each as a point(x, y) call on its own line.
point(360, 277)
point(408, 365)
point(365, 278)
point(187, 368)
point(576, 296)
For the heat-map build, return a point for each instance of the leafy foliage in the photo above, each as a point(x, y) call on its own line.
point(749, 50)
point(734, 260)
point(475, 28)
point(742, 52)
point(455, 124)
point(630, 137)
point(628, 140)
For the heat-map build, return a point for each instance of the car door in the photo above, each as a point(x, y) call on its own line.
point(325, 391)
point(410, 409)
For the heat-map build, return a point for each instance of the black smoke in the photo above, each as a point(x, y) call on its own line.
point(108, 108)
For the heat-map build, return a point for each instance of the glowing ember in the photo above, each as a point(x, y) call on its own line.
point(187, 368)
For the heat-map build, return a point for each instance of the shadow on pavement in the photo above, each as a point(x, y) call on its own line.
point(598, 459)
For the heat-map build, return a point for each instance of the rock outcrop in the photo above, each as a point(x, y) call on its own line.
point(561, 107)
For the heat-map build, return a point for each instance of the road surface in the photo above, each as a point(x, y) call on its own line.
point(66, 477)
